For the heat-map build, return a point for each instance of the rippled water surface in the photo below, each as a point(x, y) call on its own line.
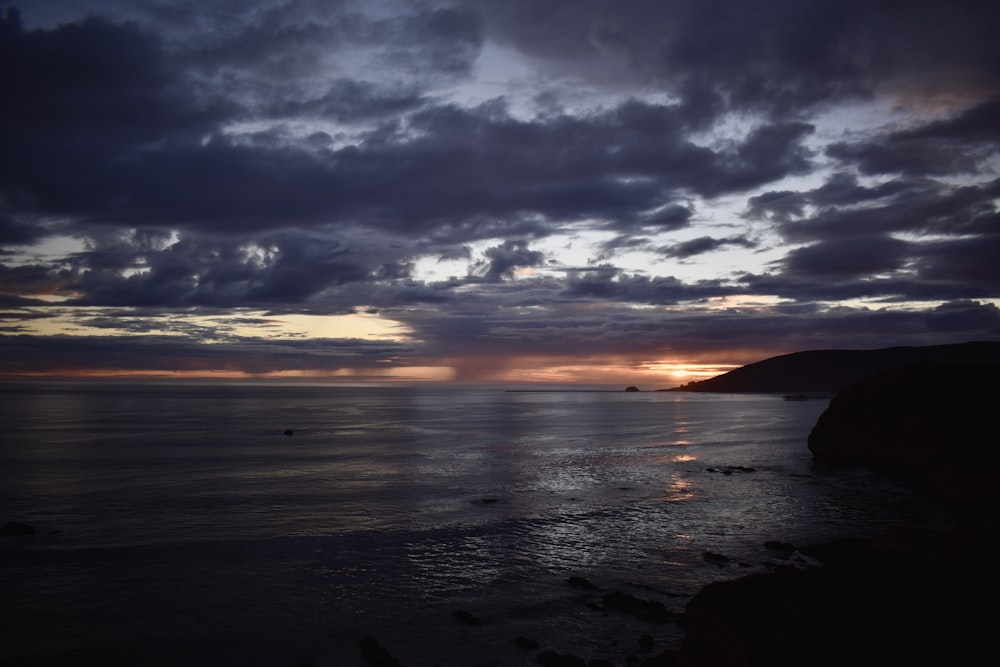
point(181, 525)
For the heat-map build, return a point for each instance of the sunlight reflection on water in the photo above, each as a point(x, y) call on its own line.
point(393, 504)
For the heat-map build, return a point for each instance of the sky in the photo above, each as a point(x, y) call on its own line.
point(556, 191)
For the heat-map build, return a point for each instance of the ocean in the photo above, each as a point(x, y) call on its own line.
point(276, 525)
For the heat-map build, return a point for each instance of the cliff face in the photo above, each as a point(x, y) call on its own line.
point(934, 422)
point(902, 597)
point(829, 371)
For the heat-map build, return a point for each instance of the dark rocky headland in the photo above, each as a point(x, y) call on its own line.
point(829, 371)
point(910, 596)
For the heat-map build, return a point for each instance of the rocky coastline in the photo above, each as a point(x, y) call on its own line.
point(907, 596)
point(910, 595)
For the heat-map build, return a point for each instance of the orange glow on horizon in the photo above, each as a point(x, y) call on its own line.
point(593, 370)
point(613, 370)
point(401, 374)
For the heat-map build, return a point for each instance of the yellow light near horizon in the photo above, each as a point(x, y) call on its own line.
point(743, 301)
point(686, 370)
point(216, 328)
point(401, 373)
point(353, 325)
point(592, 370)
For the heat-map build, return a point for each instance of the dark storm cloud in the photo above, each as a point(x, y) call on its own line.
point(497, 334)
point(438, 41)
point(779, 206)
point(31, 280)
point(771, 56)
point(744, 330)
point(703, 245)
point(967, 261)
point(309, 156)
point(903, 287)
point(840, 328)
point(69, 354)
point(81, 101)
point(624, 242)
point(848, 258)
point(503, 260)
point(17, 321)
point(275, 57)
point(350, 100)
point(671, 218)
point(918, 206)
point(477, 165)
point(609, 283)
point(840, 189)
point(14, 232)
point(959, 145)
point(146, 269)
point(127, 142)
point(304, 266)
point(907, 239)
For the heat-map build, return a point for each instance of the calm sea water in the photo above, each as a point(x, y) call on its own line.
point(181, 525)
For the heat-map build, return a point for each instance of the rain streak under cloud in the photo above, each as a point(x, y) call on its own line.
point(643, 191)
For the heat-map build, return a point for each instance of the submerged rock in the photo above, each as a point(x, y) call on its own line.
point(581, 582)
point(16, 529)
point(375, 654)
point(721, 560)
point(904, 597)
point(648, 610)
point(466, 617)
point(550, 658)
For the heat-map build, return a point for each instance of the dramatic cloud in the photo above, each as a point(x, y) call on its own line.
point(964, 144)
point(493, 190)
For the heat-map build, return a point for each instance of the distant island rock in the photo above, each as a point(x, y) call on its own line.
point(631, 389)
point(829, 371)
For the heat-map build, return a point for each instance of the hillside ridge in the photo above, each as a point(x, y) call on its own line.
point(829, 371)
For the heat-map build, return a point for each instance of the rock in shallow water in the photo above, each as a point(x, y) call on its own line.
point(16, 529)
point(904, 597)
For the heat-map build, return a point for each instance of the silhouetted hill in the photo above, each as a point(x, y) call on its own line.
point(828, 371)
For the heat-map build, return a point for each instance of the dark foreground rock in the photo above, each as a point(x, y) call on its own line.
point(907, 597)
point(935, 423)
point(16, 529)
point(375, 654)
point(650, 610)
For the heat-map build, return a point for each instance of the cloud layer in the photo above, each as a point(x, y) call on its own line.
point(515, 185)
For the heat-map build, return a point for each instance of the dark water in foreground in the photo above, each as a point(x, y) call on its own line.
point(179, 525)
